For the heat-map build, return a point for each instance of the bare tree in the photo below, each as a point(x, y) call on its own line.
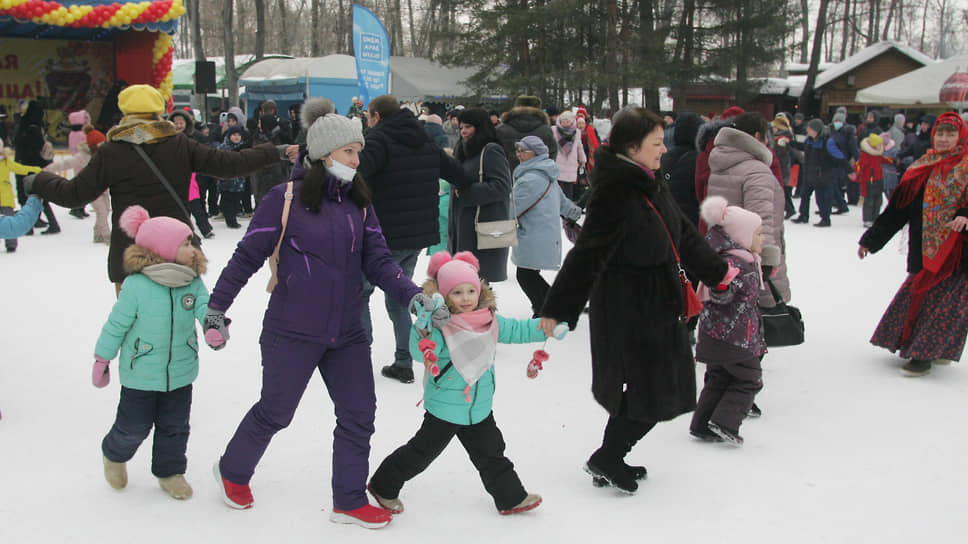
point(231, 76)
point(315, 43)
point(804, 30)
point(806, 96)
point(890, 15)
point(260, 29)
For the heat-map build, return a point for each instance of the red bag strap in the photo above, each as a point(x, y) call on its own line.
point(668, 232)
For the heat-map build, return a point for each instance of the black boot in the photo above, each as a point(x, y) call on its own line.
point(607, 464)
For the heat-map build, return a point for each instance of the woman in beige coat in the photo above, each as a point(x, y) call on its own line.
point(740, 173)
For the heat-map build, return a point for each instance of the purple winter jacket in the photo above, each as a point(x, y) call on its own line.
point(730, 324)
point(322, 261)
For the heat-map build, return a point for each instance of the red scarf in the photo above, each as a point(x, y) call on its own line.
point(946, 260)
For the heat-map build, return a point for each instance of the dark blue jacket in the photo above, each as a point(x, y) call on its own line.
point(402, 167)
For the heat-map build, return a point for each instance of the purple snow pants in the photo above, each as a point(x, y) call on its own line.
point(287, 366)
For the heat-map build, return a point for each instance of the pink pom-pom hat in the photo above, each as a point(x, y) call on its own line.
point(452, 271)
point(162, 235)
point(740, 224)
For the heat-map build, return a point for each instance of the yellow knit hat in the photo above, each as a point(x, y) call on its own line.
point(874, 140)
point(141, 99)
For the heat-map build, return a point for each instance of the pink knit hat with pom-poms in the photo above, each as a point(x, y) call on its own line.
point(740, 224)
point(162, 235)
point(452, 271)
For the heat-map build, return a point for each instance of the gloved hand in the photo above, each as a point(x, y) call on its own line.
point(430, 311)
point(731, 273)
point(29, 185)
point(560, 330)
point(216, 328)
point(101, 373)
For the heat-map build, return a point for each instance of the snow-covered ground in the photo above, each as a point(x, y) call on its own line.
point(848, 450)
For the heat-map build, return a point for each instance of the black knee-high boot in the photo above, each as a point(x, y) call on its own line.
point(607, 464)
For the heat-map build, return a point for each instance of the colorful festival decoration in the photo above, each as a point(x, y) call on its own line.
point(117, 15)
point(87, 16)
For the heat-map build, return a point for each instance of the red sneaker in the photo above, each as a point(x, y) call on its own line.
point(235, 495)
point(368, 516)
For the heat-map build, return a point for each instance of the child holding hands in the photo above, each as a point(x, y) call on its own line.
point(458, 399)
point(730, 331)
point(153, 326)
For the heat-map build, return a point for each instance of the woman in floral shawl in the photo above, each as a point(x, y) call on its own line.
point(928, 318)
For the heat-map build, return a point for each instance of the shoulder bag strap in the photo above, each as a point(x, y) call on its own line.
point(287, 205)
point(536, 201)
point(480, 179)
point(671, 242)
point(164, 181)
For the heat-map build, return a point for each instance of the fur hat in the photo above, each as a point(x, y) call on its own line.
point(875, 140)
point(141, 99)
point(160, 235)
point(330, 132)
point(527, 101)
point(780, 122)
point(94, 137)
point(816, 125)
point(314, 108)
point(452, 271)
point(740, 224)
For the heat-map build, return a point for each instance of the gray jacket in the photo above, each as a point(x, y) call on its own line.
point(539, 228)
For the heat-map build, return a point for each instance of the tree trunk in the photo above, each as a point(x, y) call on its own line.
point(804, 30)
point(924, 23)
point(611, 53)
point(806, 105)
point(231, 77)
point(413, 27)
point(260, 29)
point(846, 27)
point(853, 25)
point(871, 25)
point(285, 40)
point(890, 15)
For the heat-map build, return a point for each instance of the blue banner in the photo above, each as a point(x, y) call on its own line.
point(371, 46)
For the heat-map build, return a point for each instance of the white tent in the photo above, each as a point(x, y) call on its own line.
point(918, 87)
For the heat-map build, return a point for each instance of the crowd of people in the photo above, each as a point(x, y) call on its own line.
point(340, 204)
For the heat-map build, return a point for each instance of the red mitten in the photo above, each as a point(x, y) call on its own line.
point(427, 347)
point(534, 366)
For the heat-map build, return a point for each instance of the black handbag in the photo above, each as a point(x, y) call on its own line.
point(782, 324)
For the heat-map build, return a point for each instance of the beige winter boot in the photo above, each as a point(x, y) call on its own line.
point(529, 503)
point(115, 473)
point(176, 486)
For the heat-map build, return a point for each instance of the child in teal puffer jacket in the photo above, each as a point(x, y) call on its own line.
point(458, 399)
point(153, 326)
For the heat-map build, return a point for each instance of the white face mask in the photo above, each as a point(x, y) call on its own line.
point(341, 171)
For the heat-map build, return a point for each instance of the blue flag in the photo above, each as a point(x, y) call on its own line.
point(371, 46)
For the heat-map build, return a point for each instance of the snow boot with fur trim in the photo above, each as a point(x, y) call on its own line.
point(368, 516)
point(115, 473)
point(176, 486)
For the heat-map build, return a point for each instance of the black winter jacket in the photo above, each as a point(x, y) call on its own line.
point(403, 168)
point(679, 165)
point(525, 121)
point(623, 265)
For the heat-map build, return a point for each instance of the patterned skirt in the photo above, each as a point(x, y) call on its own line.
point(941, 327)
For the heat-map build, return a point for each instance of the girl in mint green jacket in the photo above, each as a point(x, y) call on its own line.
point(459, 397)
point(153, 326)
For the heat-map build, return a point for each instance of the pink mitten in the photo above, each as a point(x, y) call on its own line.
point(214, 339)
point(731, 273)
point(427, 347)
point(101, 373)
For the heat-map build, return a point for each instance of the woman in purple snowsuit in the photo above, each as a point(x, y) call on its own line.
point(331, 240)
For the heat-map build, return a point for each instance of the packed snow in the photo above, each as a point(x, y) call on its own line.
point(847, 450)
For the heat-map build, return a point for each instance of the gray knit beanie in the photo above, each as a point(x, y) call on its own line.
point(816, 125)
point(841, 117)
point(329, 133)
